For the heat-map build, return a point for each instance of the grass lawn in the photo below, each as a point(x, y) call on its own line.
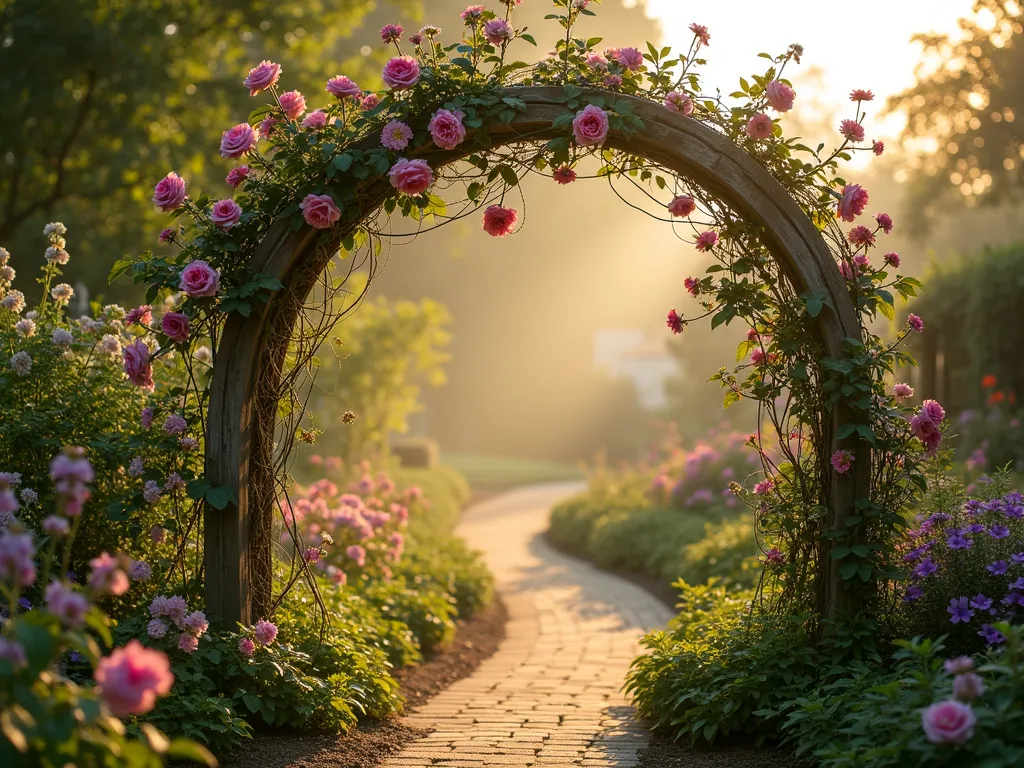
point(500, 472)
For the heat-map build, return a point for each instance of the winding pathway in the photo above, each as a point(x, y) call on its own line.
point(551, 694)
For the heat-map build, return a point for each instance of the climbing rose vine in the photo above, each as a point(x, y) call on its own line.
point(345, 160)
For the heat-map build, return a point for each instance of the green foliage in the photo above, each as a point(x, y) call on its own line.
point(375, 366)
point(874, 720)
point(720, 669)
point(105, 98)
point(967, 305)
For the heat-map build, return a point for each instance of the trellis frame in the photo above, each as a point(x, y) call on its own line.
point(251, 353)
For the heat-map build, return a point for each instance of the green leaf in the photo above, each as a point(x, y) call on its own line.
point(252, 702)
point(528, 38)
point(508, 175)
point(183, 749)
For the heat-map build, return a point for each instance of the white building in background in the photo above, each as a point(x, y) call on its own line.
point(640, 357)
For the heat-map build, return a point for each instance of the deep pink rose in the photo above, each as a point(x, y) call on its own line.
point(131, 678)
point(319, 211)
point(446, 129)
point(401, 73)
point(499, 222)
point(948, 722)
point(238, 140)
point(137, 365)
point(853, 202)
point(225, 214)
point(590, 126)
point(293, 103)
point(370, 101)
point(262, 76)
point(341, 87)
point(169, 192)
point(411, 177)
point(176, 326)
point(629, 58)
point(780, 96)
point(237, 175)
point(682, 206)
point(199, 279)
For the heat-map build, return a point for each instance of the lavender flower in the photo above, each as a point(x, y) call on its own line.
point(959, 610)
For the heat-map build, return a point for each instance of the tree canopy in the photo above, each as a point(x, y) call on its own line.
point(966, 103)
point(104, 97)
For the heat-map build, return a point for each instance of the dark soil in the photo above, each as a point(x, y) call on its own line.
point(372, 741)
point(664, 753)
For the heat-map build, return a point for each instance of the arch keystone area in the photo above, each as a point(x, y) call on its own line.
point(250, 356)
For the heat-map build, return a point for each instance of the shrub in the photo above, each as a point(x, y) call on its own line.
point(887, 718)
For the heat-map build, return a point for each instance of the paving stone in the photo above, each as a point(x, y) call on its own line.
point(552, 694)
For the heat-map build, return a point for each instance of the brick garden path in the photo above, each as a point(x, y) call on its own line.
point(551, 694)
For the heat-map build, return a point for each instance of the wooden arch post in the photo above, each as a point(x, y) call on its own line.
point(239, 449)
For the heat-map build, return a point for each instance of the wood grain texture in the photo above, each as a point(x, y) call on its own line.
point(239, 453)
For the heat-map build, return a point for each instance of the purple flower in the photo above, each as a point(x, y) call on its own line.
point(975, 528)
point(972, 507)
point(1018, 584)
point(1018, 558)
point(998, 531)
point(991, 634)
point(24, 604)
point(959, 610)
point(981, 602)
point(1014, 511)
point(925, 568)
point(959, 541)
point(998, 568)
point(1014, 598)
point(913, 593)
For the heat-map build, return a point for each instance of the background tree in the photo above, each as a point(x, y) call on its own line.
point(968, 108)
point(102, 98)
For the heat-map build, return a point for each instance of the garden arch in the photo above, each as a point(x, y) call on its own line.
point(251, 353)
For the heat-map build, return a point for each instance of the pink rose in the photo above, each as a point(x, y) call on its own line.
point(401, 73)
point(199, 279)
point(169, 192)
point(137, 365)
point(780, 96)
point(370, 101)
point(760, 127)
point(853, 202)
point(225, 214)
point(630, 58)
point(175, 326)
point(679, 103)
point(265, 632)
point(934, 411)
point(682, 206)
point(293, 103)
point(446, 129)
point(238, 140)
point(246, 646)
point(319, 211)
point(341, 87)
point(315, 120)
point(411, 177)
point(262, 76)
point(498, 32)
point(237, 175)
point(590, 126)
point(948, 722)
point(968, 686)
point(499, 222)
point(130, 679)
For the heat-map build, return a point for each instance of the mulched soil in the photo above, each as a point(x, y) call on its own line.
point(371, 742)
point(663, 753)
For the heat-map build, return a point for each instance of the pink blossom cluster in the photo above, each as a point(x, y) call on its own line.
point(172, 612)
point(699, 477)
